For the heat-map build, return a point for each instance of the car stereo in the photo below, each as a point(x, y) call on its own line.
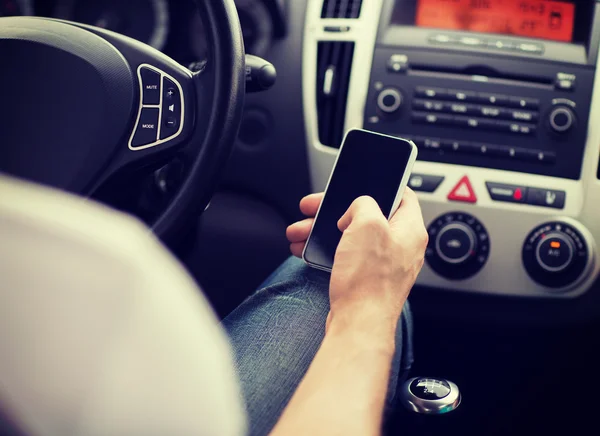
point(502, 84)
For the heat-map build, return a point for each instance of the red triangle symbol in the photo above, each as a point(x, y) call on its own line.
point(463, 191)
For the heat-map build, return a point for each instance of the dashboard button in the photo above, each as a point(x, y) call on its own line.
point(501, 45)
point(494, 99)
point(535, 156)
point(426, 92)
point(424, 183)
point(451, 145)
point(527, 47)
point(464, 96)
point(421, 117)
point(475, 123)
point(442, 39)
point(491, 112)
point(565, 81)
point(428, 105)
point(150, 86)
point(397, 63)
point(459, 146)
point(460, 109)
point(507, 193)
point(546, 198)
point(471, 41)
point(524, 103)
point(147, 129)
point(524, 116)
point(430, 143)
point(517, 128)
point(463, 191)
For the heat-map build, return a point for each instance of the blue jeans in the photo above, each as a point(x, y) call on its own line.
point(276, 333)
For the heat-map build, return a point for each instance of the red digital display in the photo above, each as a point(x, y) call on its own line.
point(544, 19)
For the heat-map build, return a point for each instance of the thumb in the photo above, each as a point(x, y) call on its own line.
point(408, 211)
point(363, 207)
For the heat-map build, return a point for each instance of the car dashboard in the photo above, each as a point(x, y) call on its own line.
point(503, 118)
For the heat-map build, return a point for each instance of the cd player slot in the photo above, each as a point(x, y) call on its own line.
point(477, 78)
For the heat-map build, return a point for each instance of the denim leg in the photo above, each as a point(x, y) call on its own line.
point(276, 333)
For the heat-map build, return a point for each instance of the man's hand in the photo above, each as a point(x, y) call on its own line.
point(376, 263)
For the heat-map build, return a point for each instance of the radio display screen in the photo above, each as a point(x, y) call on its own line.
point(545, 19)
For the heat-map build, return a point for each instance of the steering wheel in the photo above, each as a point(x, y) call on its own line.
point(82, 105)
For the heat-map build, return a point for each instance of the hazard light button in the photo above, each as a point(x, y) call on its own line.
point(463, 191)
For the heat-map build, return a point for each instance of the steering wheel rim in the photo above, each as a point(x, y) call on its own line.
point(221, 21)
point(101, 82)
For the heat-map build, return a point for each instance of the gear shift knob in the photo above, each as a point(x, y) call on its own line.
point(430, 396)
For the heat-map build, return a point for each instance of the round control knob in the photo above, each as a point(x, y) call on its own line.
point(457, 240)
point(561, 119)
point(430, 396)
point(389, 100)
point(556, 255)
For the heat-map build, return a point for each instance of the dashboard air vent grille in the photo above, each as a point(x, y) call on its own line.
point(333, 79)
point(341, 8)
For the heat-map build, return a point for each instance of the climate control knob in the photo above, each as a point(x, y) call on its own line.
point(459, 246)
point(561, 119)
point(389, 100)
point(556, 255)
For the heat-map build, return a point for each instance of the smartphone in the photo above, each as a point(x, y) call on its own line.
point(370, 164)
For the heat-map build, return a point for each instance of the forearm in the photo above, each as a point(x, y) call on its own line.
point(344, 390)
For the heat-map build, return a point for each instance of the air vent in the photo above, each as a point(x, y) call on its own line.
point(333, 78)
point(341, 8)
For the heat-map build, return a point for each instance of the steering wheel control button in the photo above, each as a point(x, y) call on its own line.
point(556, 255)
point(150, 86)
point(546, 198)
point(507, 193)
point(463, 191)
point(430, 396)
point(424, 183)
point(459, 246)
point(147, 129)
point(171, 109)
point(455, 243)
point(555, 252)
point(162, 109)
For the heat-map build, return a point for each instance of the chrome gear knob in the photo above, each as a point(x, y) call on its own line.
point(430, 396)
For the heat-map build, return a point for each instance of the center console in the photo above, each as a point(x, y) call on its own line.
point(500, 98)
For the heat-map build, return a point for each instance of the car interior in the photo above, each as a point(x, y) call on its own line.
point(215, 153)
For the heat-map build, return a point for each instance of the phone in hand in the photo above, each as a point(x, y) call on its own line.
point(368, 163)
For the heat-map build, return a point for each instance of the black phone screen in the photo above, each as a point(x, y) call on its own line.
point(368, 164)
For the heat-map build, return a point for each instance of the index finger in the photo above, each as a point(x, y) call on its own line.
point(309, 205)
